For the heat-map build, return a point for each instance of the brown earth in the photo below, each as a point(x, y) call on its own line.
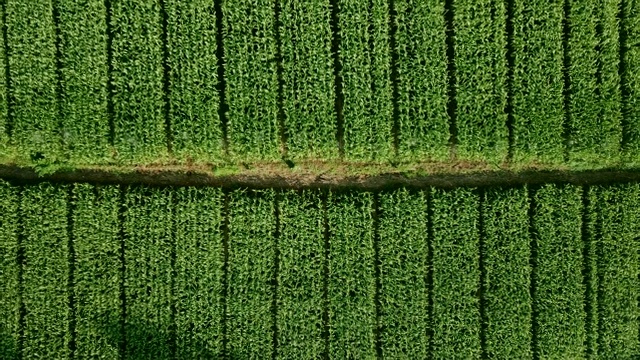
point(331, 175)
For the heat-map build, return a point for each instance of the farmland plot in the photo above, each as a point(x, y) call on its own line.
point(594, 97)
point(365, 57)
point(195, 127)
point(4, 93)
point(138, 80)
point(34, 81)
point(301, 276)
point(481, 70)
point(403, 258)
point(538, 80)
point(559, 320)
point(307, 76)
point(198, 271)
point(505, 260)
point(149, 275)
point(136, 272)
point(9, 272)
point(46, 251)
point(97, 275)
point(616, 252)
point(250, 48)
point(630, 50)
point(84, 62)
point(251, 271)
point(455, 320)
point(351, 282)
point(421, 52)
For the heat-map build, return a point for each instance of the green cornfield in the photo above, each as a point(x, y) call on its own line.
point(124, 82)
point(183, 273)
point(130, 130)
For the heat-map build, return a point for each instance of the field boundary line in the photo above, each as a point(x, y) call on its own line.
point(288, 179)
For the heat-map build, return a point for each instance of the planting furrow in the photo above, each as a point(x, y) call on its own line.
point(137, 79)
point(148, 272)
point(45, 241)
point(558, 289)
point(251, 78)
point(365, 57)
point(196, 131)
point(505, 258)
point(97, 271)
point(403, 292)
point(301, 276)
point(9, 273)
point(538, 103)
point(4, 91)
point(456, 274)
point(481, 69)
point(251, 269)
point(31, 36)
point(420, 59)
point(198, 273)
point(351, 288)
point(83, 50)
point(308, 84)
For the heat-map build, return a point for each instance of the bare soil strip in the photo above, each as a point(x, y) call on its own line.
point(313, 177)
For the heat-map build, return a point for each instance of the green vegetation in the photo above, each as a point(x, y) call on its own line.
point(197, 272)
point(251, 269)
point(538, 80)
point(548, 272)
point(240, 83)
point(9, 273)
point(301, 276)
point(138, 78)
point(34, 82)
point(456, 274)
point(193, 95)
point(4, 108)
point(505, 256)
point(481, 70)
point(403, 259)
point(352, 284)
point(590, 270)
point(97, 270)
point(308, 86)
point(250, 49)
point(630, 42)
point(148, 262)
point(83, 58)
point(616, 217)
point(421, 56)
point(45, 295)
point(594, 108)
point(365, 57)
point(558, 295)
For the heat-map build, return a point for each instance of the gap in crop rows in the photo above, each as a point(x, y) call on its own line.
point(337, 75)
point(222, 84)
point(123, 270)
point(282, 131)
point(510, 78)
point(71, 255)
point(166, 93)
point(532, 264)
point(393, 30)
point(451, 75)
point(7, 73)
point(566, 59)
